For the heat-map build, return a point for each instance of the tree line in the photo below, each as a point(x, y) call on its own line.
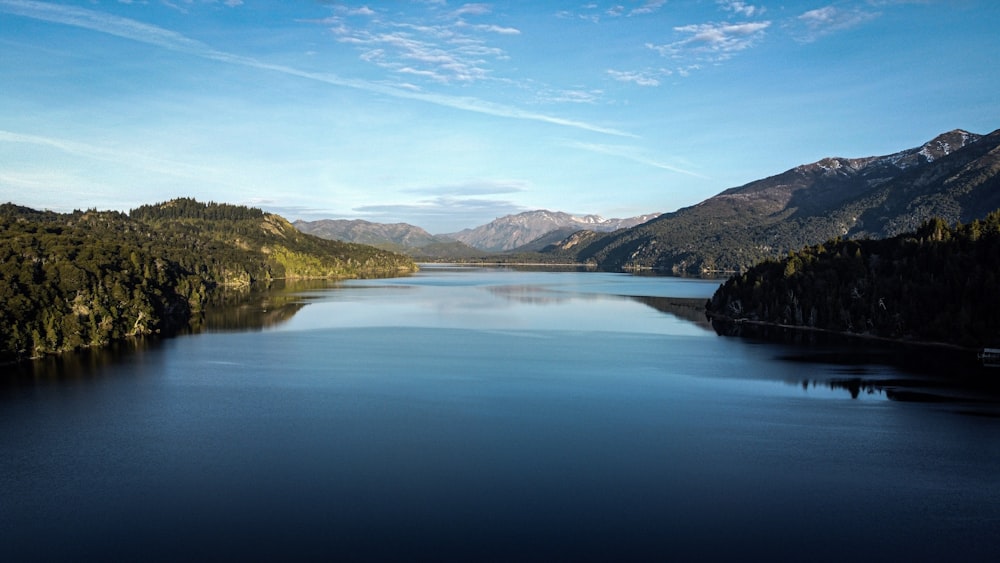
point(940, 283)
point(87, 278)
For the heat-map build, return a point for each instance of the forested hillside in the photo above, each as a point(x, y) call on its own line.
point(396, 237)
point(938, 284)
point(84, 279)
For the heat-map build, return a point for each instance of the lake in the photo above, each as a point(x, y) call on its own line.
point(491, 414)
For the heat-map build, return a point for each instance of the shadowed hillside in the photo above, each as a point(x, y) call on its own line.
point(954, 177)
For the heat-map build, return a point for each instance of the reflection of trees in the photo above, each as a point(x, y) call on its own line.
point(257, 308)
point(686, 308)
point(855, 386)
point(534, 294)
point(231, 310)
point(909, 391)
point(71, 367)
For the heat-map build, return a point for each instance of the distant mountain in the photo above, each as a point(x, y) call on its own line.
point(526, 232)
point(955, 176)
point(514, 231)
point(394, 235)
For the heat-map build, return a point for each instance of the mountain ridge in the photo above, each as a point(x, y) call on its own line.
point(514, 231)
point(517, 232)
point(953, 176)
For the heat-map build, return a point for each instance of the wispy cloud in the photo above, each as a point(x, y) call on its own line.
point(473, 187)
point(740, 8)
point(649, 7)
point(412, 51)
point(572, 96)
point(593, 12)
point(641, 78)
point(817, 23)
point(493, 28)
point(108, 154)
point(634, 154)
point(712, 42)
point(104, 23)
point(477, 9)
point(445, 49)
point(362, 11)
point(170, 40)
point(184, 6)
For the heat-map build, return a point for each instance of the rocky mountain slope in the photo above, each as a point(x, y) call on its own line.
point(513, 231)
point(525, 232)
point(954, 176)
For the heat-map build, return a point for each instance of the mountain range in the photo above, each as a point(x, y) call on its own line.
point(954, 176)
point(528, 231)
point(516, 231)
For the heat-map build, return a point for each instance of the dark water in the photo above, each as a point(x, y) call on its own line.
point(490, 415)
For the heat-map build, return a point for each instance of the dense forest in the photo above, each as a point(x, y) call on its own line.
point(939, 284)
point(87, 278)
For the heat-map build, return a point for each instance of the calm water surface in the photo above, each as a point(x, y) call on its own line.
point(471, 414)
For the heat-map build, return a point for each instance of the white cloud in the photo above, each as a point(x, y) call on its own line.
point(362, 11)
point(569, 96)
point(170, 40)
point(498, 29)
point(636, 77)
point(472, 10)
point(648, 8)
point(713, 41)
point(741, 8)
point(618, 10)
point(449, 52)
point(631, 153)
point(830, 19)
point(104, 23)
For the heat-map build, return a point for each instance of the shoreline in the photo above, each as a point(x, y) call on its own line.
point(713, 317)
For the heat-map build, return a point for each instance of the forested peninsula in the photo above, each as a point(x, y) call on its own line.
point(938, 284)
point(87, 278)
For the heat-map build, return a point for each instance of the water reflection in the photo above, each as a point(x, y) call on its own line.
point(536, 303)
point(73, 367)
point(532, 294)
point(900, 373)
point(855, 386)
point(233, 310)
point(258, 308)
point(688, 309)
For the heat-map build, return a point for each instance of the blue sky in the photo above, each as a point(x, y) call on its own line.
point(447, 114)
